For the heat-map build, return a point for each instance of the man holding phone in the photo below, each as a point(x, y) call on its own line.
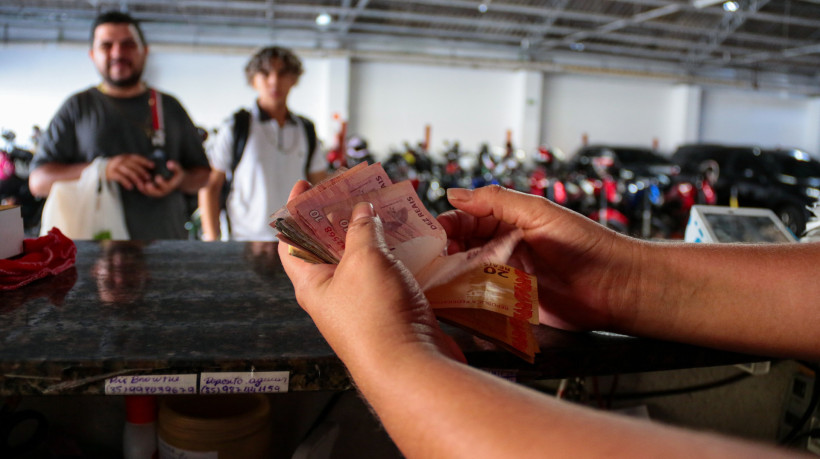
point(154, 151)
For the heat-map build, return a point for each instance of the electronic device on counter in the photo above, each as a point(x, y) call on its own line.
point(735, 224)
point(11, 231)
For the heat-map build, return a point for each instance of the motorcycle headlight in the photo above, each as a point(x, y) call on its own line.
point(812, 192)
point(655, 195)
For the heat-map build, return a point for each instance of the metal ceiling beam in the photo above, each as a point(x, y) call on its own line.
point(606, 29)
point(549, 21)
point(611, 50)
point(533, 11)
point(624, 38)
point(730, 23)
point(622, 23)
point(270, 10)
point(676, 44)
point(500, 28)
point(419, 17)
point(500, 7)
point(350, 17)
point(760, 16)
point(784, 54)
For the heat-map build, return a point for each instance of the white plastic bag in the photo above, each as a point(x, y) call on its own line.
point(86, 208)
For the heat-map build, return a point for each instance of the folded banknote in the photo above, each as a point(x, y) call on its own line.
point(471, 289)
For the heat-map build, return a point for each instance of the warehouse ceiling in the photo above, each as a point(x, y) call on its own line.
point(767, 44)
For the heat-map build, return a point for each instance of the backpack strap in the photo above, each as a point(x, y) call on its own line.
point(310, 132)
point(241, 131)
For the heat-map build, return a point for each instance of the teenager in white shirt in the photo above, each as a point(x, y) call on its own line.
point(280, 147)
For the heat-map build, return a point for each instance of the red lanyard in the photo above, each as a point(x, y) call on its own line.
point(155, 101)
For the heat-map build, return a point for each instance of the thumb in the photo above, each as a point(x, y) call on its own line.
point(509, 206)
point(364, 230)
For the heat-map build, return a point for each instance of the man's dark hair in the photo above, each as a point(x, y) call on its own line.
point(261, 62)
point(116, 17)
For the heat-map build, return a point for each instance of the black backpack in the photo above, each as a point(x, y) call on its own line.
point(241, 131)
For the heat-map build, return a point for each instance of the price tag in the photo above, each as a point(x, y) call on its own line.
point(244, 382)
point(151, 385)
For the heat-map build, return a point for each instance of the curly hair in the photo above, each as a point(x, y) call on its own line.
point(262, 60)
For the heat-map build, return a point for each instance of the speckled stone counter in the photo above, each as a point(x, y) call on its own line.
point(181, 307)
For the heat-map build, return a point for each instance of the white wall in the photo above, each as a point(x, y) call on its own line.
point(811, 126)
point(390, 102)
point(609, 110)
point(210, 87)
point(685, 112)
point(747, 117)
point(529, 96)
point(35, 80)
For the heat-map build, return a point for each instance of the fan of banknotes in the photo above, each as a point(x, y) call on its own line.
point(473, 290)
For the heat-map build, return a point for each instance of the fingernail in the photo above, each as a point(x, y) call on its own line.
point(459, 194)
point(362, 210)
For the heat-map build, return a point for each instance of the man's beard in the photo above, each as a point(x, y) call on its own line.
point(129, 82)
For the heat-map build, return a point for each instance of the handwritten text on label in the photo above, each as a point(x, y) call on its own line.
point(244, 382)
point(151, 385)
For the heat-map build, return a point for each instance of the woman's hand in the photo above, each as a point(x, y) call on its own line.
point(369, 306)
point(584, 270)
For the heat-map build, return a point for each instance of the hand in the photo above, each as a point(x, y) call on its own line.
point(159, 187)
point(129, 170)
point(368, 306)
point(583, 269)
point(207, 236)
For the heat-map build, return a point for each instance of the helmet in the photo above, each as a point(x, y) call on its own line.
point(356, 147)
point(356, 151)
point(544, 156)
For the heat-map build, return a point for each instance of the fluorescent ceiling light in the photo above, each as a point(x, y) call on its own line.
point(705, 3)
point(730, 6)
point(323, 19)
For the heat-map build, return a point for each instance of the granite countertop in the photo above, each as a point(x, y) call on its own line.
point(188, 307)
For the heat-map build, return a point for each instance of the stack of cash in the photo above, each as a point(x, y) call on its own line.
point(473, 289)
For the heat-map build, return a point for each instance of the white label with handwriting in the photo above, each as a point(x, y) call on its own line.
point(167, 451)
point(151, 385)
point(254, 382)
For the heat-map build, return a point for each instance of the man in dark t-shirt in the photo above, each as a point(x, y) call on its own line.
point(117, 120)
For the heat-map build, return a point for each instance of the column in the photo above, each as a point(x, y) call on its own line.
point(527, 127)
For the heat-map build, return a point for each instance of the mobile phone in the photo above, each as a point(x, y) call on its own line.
point(160, 164)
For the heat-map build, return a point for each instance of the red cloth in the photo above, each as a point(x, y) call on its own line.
point(44, 256)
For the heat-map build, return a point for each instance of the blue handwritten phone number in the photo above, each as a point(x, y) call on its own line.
point(151, 390)
point(239, 390)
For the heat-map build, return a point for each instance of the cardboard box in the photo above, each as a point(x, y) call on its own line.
point(11, 231)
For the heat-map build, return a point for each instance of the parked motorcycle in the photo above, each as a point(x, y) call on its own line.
point(356, 152)
point(545, 180)
point(15, 163)
point(416, 165)
point(512, 170)
point(608, 197)
point(645, 207)
point(453, 172)
point(482, 174)
point(685, 193)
